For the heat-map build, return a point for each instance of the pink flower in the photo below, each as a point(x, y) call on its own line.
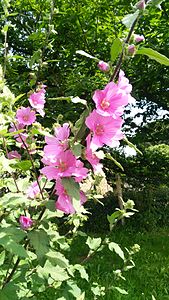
point(92, 156)
point(16, 127)
point(33, 191)
point(111, 100)
point(64, 166)
point(123, 84)
point(25, 222)
point(103, 66)
point(25, 116)
point(14, 155)
point(64, 202)
point(79, 172)
point(37, 101)
point(131, 49)
point(21, 138)
point(105, 130)
point(139, 38)
point(141, 4)
point(59, 142)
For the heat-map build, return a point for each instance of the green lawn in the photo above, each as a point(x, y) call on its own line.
point(149, 277)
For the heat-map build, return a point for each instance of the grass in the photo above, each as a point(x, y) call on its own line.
point(149, 277)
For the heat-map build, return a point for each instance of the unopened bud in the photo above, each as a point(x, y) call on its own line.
point(103, 66)
point(138, 38)
point(131, 49)
point(141, 4)
point(25, 222)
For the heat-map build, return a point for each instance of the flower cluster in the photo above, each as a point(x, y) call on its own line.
point(61, 162)
point(105, 120)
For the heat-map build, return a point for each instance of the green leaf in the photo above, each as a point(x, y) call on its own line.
point(81, 52)
point(116, 48)
point(82, 271)
point(2, 257)
point(10, 245)
point(40, 241)
point(71, 187)
point(129, 19)
point(57, 258)
point(9, 292)
point(56, 272)
point(153, 298)
point(121, 291)
point(93, 243)
point(115, 247)
point(24, 165)
point(76, 149)
point(152, 54)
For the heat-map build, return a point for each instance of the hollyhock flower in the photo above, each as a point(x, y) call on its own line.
point(123, 84)
point(105, 130)
point(138, 38)
point(131, 49)
point(64, 202)
point(33, 191)
point(25, 222)
point(60, 140)
point(64, 166)
point(37, 101)
point(103, 66)
point(141, 4)
point(92, 156)
point(15, 127)
point(14, 155)
point(25, 116)
point(80, 172)
point(110, 101)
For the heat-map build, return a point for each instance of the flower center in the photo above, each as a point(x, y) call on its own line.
point(62, 166)
point(105, 104)
point(25, 117)
point(99, 129)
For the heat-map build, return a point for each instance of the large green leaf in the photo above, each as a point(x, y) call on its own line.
point(10, 245)
point(116, 48)
point(129, 19)
point(93, 243)
point(40, 241)
point(152, 54)
point(57, 258)
point(115, 247)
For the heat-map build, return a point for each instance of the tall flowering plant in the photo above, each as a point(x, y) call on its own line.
point(49, 175)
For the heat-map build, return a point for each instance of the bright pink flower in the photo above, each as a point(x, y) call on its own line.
point(111, 100)
point(64, 202)
point(103, 66)
point(80, 172)
point(105, 130)
point(92, 156)
point(64, 166)
point(123, 84)
point(59, 142)
point(25, 222)
point(33, 191)
point(25, 116)
point(139, 38)
point(14, 155)
point(131, 49)
point(37, 101)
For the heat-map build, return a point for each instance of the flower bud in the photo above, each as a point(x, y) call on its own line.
point(131, 49)
point(138, 38)
point(25, 222)
point(103, 66)
point(141, 4)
